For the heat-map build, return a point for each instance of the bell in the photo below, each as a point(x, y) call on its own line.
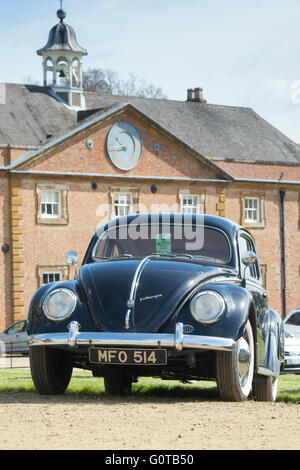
point(62, 74)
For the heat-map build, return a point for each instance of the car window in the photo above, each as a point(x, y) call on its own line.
point(245, 244)
point(16, 328)
point(294, 319)
point(212, 244)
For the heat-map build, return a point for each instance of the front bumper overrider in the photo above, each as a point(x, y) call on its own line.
point(177, 341)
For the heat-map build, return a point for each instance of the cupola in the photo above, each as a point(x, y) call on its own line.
point(62, 63)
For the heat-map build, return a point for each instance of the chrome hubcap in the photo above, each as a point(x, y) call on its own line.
point(245, 359)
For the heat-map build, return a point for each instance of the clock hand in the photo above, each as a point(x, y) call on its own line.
point(118, 147)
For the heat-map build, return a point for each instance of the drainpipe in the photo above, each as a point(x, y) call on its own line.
point(282, 251)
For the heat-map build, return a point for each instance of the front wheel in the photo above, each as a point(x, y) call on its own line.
point(51, 369)
point(234, 370)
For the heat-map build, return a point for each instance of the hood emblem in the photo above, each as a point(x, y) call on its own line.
point(150, 297)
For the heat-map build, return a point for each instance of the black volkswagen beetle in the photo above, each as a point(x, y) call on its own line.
point(175, 296)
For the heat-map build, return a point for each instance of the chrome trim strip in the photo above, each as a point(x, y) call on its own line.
point(177, 341)
point(133, 289)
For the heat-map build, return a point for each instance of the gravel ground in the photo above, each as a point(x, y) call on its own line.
point(30, 421)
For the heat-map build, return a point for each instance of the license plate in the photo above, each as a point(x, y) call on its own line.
point(135, 357)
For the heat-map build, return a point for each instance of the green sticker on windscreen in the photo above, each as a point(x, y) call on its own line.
point(163, 243)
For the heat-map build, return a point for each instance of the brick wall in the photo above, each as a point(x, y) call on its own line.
point(33, 244)
point(170, 161)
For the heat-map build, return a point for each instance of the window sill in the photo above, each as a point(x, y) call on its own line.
point(52, 221)
point(254, 225)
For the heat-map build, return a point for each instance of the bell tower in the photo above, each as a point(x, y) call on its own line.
point(62, 63)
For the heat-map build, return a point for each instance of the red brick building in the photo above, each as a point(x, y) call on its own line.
point(60, 175)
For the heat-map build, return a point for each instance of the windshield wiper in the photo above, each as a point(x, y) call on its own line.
point(174, 255)
point(206, 258)
point(99, 258)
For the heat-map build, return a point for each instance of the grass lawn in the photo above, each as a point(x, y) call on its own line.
point(82, 382)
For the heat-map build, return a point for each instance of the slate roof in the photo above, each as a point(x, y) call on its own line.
point(30, 114)
point(218, 132)
point(98, 117)
point(33, 113)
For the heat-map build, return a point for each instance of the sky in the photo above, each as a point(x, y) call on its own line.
point(242, 53)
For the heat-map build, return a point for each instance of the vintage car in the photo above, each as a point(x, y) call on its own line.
point(175, 296)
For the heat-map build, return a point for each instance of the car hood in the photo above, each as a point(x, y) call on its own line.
point(161, 287)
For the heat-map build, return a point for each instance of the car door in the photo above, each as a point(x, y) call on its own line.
point(16, 337)
point(254, 284)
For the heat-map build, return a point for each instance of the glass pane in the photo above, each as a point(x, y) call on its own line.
point(215, 245)
point(44, 196)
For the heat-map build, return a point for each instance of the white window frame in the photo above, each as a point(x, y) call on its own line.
point(197, 199)
point(250, 210)
point(120, 203)
point(194, 207)
point(46, 201)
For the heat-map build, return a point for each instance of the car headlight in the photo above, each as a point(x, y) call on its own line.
point(59, 304)
point(207, 306)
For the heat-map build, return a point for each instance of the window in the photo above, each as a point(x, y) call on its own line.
point(47, 274)
point(245, 244)
point(53, 276)
point(17, 328)
point(50, 204)
point(252, 209)
point(163, 238)
point(123, 201)
point(123, 204)
point(191, 203)
point(294, 319)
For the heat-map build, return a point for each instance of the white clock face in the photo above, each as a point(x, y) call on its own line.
point(124, 145)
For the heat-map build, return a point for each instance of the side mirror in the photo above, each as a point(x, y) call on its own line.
point(249, 259)
point(72, 259)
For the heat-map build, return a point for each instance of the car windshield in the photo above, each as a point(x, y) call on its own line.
point(137, 241)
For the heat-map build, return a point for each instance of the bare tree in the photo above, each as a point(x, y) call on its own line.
point(30, 80)
point(108, 82)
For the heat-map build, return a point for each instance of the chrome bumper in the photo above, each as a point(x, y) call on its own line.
point(177, 341)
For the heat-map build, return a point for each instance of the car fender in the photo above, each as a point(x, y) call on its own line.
point(238, 304)
point(273, 334)
point(37, 322)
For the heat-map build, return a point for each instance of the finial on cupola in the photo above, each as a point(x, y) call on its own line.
point(61, 14)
